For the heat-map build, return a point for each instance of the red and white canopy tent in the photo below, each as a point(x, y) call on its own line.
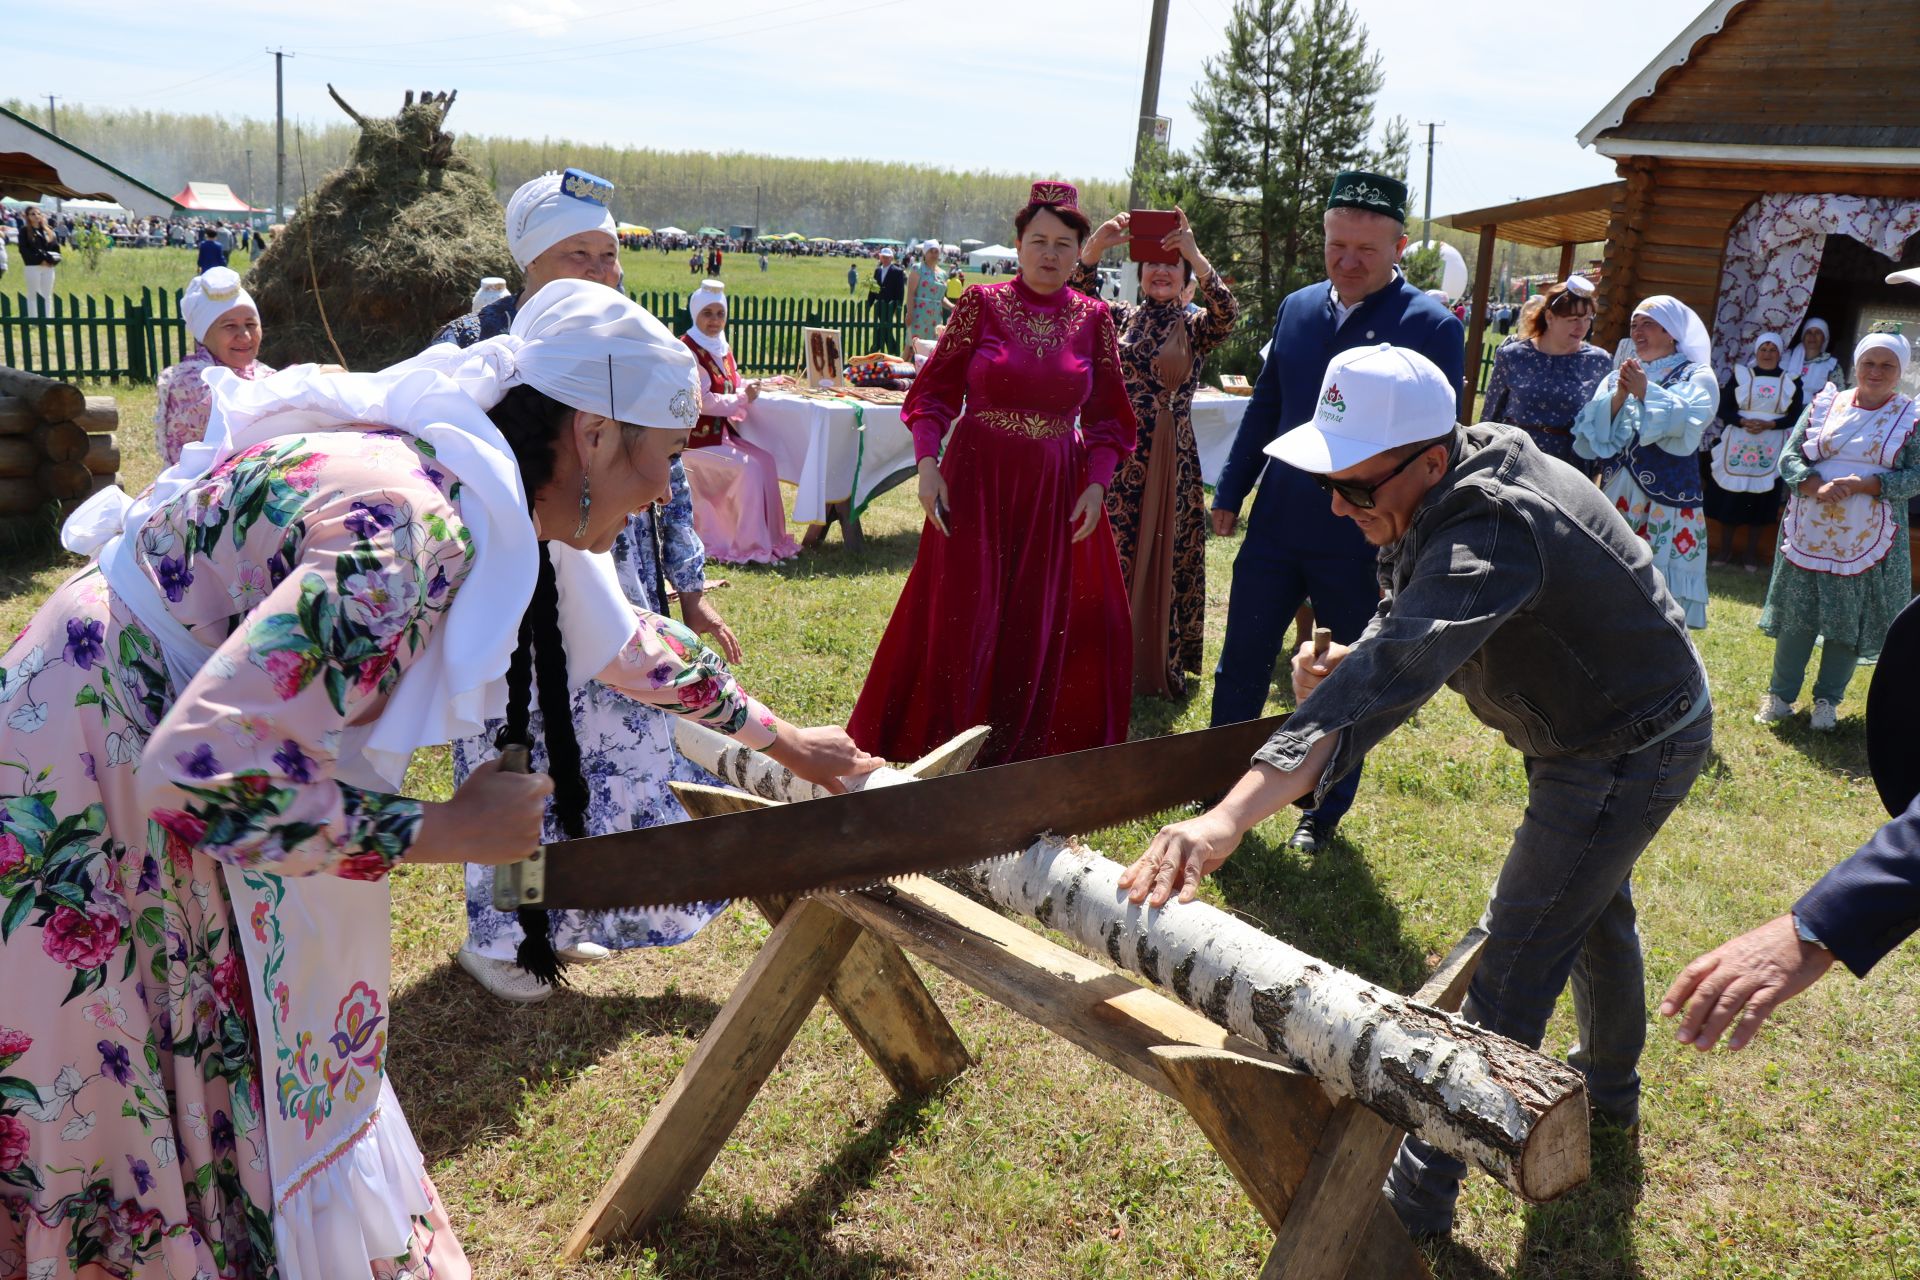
point(212, 197)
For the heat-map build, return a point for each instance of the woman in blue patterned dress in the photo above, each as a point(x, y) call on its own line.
point(1546, 375)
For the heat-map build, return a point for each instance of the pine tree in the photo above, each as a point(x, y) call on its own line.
point(1285, 108)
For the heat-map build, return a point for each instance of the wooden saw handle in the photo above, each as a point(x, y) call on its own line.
point(1322, 637)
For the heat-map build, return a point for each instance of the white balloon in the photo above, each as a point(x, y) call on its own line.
point(1453, 268)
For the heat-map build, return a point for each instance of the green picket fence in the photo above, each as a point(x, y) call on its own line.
point(134, 338)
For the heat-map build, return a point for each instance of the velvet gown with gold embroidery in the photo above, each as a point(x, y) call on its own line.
point(1007, 621)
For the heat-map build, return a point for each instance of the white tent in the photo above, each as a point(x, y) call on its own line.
point(668, 231)
point(992, 253)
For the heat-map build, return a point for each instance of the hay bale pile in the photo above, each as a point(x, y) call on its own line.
point(384, 251)
point(56, 445)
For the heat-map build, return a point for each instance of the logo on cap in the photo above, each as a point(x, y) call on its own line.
point(1333, 404)
point(582, 185)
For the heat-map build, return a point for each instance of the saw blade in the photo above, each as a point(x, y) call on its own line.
point(862, 839)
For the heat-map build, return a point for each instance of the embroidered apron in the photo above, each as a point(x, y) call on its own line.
point(1850, 536)
point(1749, 461)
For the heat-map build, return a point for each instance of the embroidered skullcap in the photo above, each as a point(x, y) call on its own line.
point(1902, 349)
point(1370, 192)
point(1682, 325)
point(589, 347)
point(1779, 344)
point(553, 207)
point(709, 292)
point(210, 295)
point(1579, 286)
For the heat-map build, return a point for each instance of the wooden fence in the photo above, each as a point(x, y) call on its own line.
point(134, 338)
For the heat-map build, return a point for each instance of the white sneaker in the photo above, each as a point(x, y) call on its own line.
point(584, 953)
point(1825, 716)
point(503, 978)
point(1772, 709)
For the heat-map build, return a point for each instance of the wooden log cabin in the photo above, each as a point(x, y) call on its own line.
point(1755, 103)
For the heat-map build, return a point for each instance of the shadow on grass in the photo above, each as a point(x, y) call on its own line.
point(1585, 1235)
point(1842, 750)
point(26, 551)
point(456, 1097)
point(795, 1240)
point(890, 552)
point(1327, 904)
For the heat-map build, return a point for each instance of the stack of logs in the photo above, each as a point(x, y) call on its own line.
point(56, 444)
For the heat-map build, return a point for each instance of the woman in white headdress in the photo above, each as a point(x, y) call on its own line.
point(737, 506)
point(1844, 570)
point(1758, 406)
point(211, 726)
point(225, 326)
point(1812, 362)
point(1644, 425)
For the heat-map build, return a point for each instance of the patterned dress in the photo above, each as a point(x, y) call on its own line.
point(1158, 504)
point(1541, 394)
point(145, 1050)
point(626, 748)
point(928, 290)
point(1649, 469)
point(183, 401)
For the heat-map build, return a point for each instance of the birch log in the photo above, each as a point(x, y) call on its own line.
point(1514, 1113)
point(758, 774)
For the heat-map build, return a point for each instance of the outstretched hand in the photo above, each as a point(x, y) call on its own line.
point(1744, 980)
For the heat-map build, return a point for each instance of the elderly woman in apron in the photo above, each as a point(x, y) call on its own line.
point(1644, 424)
point(1844, 570)
point(1758, 406)
point(207, 731)
point(1812, 363)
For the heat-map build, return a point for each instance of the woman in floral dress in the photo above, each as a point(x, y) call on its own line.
point(204, 734)
point(926, 297)
point(1644, 425)
point(1544, 375)
point(225, 326)
point(1845, 569)
point(1158, 505)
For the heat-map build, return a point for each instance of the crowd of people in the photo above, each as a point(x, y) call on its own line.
point(481, 545)
point(43, 239)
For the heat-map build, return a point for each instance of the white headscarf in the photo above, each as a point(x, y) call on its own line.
point(210, 295)
point(566, 342)
point(1579, 286)
point(554, 206)
point(709, 292)
point(1901, 348)
point(1795, 362)
point(1681, 324)
point(1779, 345)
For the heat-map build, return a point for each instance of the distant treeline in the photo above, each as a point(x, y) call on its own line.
point(691, 189)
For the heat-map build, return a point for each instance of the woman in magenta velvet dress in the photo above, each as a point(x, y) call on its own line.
point(1015, 615)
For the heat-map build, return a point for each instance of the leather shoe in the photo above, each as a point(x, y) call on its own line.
point(1312, 835)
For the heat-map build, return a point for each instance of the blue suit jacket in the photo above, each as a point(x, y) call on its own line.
point(1869, 904)
point(1291, 515)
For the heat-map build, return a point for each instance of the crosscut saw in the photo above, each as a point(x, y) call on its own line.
point(857, 840)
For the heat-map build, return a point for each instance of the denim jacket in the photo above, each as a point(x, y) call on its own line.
point(1518, 585)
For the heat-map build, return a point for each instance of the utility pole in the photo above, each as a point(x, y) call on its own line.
point(280, 57)
point(1426, 229)
point(1149, 96)
point(53, 121)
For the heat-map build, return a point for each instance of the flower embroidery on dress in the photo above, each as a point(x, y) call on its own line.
point(1043, 332)
point(1035, 426)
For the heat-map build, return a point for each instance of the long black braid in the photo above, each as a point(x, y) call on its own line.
point(531, 421)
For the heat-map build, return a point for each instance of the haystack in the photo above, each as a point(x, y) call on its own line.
point(384, 251)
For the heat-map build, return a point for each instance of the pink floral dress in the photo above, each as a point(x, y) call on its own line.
point(138, 1064)
point(183, 401)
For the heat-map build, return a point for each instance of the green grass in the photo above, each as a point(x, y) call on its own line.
point(1794, 1159)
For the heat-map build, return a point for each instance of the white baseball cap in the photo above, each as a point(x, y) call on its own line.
point(1910, 276)
point(1372, 399)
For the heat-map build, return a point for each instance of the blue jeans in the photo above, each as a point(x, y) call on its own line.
point(1563, 909)
point(1268, 589)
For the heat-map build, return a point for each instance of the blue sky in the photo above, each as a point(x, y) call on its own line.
point(999, 84)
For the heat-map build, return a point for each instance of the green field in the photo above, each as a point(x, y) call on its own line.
point(1795, 1158)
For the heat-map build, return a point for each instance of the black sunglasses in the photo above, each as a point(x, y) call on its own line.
point(1361, 495)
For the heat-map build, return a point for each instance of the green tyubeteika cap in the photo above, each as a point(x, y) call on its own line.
point(1373, 192)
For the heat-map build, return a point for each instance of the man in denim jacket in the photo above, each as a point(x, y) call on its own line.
point(1507, 576)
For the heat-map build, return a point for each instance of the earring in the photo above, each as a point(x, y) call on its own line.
point(586, 505)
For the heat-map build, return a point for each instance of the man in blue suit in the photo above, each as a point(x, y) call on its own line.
point(1296, 549)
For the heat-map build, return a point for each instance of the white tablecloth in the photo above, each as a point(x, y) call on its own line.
point(832, 451)
point(1215, 420)
point(829, 451)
